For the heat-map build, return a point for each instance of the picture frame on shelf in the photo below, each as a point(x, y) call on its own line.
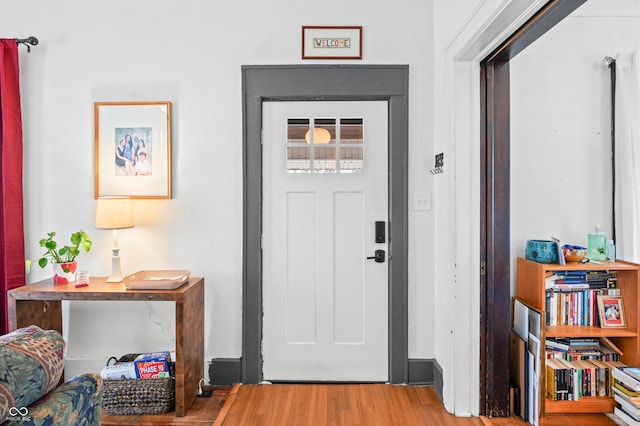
point(611, 311)
point(325, 42)
point(132, 152)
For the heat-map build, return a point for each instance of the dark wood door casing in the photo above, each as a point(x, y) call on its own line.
point(495, 282)
point(495, 256)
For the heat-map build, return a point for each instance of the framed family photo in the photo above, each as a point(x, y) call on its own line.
point(611, 311)
point(132, 153)
point(331, 42)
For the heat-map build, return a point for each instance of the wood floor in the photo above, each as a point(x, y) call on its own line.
point(331, 405)
point(314, 405)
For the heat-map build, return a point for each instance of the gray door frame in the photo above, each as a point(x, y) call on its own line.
point(324, 83)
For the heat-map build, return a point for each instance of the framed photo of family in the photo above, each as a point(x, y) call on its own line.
point(132, 153)
point(611, 311)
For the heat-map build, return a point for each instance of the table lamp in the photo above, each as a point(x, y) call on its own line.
point(114, 213)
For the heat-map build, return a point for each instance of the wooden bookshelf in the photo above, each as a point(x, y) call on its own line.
point(586, 331)
point(584, 405)
point(530, 288)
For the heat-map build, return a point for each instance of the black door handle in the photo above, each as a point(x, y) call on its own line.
point(379, 256)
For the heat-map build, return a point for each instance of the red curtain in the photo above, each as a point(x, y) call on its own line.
point(12, 271)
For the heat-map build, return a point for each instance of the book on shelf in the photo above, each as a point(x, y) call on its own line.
point(633, 372)
point(580, 349)
point(573, 280)
point(574, 379)
point(589, 377)
point(601, 275)
point(571, 273)
point(550, 280)
point(629, 405)
point(579, 307)
point(629, 409)
point(630, 397)
point(602, 279)
point(574, 343)
point(557, 383)
point(556, 345)
point(627, 381)
point(607, 343)
point(625, 417)
point(623, 390)
point(579, 280)
point(603, 370)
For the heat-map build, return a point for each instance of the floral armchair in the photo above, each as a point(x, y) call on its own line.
point(31, 365)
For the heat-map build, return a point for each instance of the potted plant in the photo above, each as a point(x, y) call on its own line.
point(63, 258)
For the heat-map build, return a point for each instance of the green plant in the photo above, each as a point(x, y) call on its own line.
point(64, 254)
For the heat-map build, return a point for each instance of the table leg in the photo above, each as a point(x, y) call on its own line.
point(46, 314)
point(189, 347)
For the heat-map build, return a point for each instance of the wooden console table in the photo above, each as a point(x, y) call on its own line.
point(41, 304)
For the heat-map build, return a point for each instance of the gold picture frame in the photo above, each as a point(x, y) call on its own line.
point(132, 152)
point(611, 311)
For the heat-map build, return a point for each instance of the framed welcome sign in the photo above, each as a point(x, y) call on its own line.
point(331, 42)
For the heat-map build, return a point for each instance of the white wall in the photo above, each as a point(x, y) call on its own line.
point(189, 54)
point(561, 126)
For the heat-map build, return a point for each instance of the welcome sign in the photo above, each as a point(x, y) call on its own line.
point(331, 42)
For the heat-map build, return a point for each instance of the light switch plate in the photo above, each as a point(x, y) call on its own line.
point(421, 201)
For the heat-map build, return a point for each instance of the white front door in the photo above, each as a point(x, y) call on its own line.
point(324, 188)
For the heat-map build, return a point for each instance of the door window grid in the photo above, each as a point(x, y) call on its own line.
point(324, 145)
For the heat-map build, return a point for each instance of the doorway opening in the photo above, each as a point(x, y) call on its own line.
point(325, 83)
point(495, 292)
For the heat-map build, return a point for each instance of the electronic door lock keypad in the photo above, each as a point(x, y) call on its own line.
point(380, 232)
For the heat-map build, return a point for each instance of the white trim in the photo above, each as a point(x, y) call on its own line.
point(457, 89)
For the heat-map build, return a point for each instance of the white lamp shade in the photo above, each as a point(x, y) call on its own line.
point(114, 213)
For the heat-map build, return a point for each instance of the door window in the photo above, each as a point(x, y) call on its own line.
point(325, 145)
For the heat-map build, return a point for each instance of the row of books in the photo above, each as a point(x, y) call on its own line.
point(572, 380)
point(575, 307)
point(626, 392)
point(580, 280)
point(572, 348)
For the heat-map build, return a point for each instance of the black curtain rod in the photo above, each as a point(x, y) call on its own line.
point(29, 41)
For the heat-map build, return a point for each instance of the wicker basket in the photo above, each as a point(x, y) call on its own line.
point(156, 280)
point(138, 396)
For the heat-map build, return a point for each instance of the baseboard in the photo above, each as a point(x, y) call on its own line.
point(228, 371)
point(421, 371)
point(225, 371)
point(438, 379)
point(426, 372)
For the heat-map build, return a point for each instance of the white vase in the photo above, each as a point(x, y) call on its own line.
point(64, 273)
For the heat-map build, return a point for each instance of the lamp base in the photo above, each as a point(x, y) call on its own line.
point(116, 271)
